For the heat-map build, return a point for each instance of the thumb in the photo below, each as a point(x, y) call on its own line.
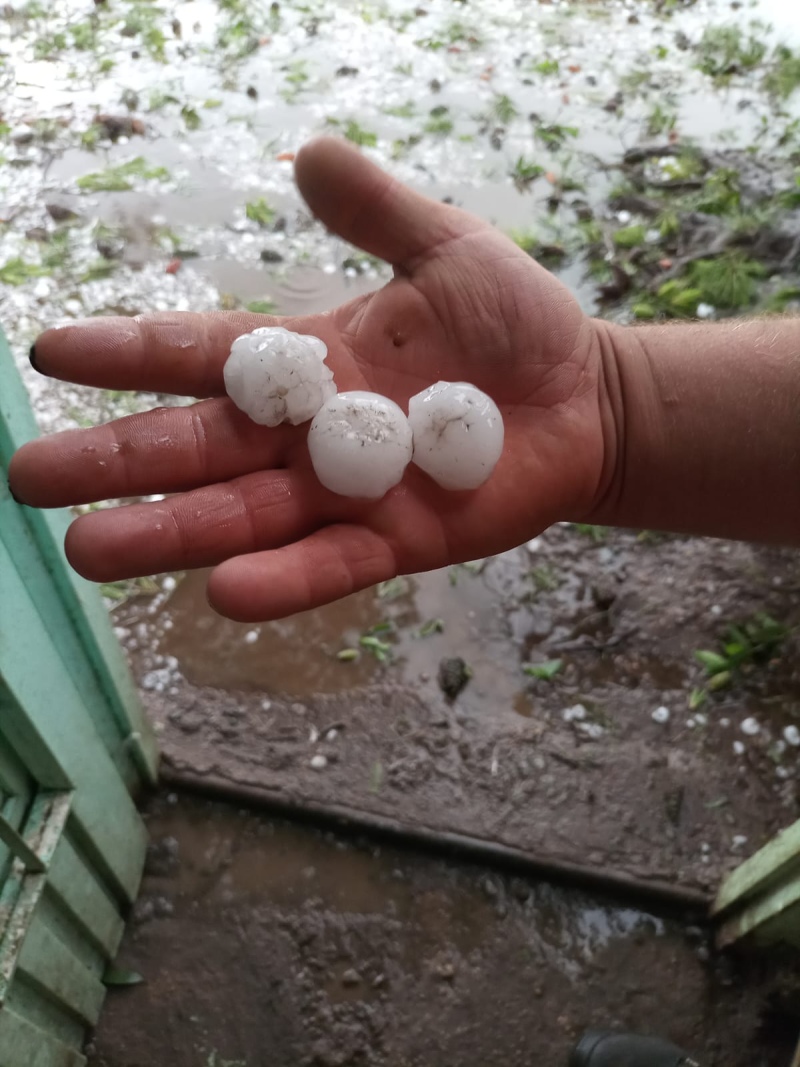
point(367, 207)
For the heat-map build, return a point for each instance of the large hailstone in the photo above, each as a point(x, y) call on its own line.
point(360, 444)
point(277, 376)
point(458, 434)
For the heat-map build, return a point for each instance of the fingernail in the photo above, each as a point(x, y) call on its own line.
point(14, 496)
point(32, 358)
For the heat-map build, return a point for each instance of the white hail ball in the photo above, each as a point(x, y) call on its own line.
point(360, 444)
point(276, 376)
point(458, 434)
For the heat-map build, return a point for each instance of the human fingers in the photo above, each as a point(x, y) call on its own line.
point(199, 528)
point(363, 204)
point(328, 564)
point(169, 352)
point(167, 450)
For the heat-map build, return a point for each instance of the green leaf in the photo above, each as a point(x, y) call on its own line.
point(191, 118)
point(347, 655)
point(16, 271)
point(712, 661)
point(119, 179)
point(261, 307)
point(118, 976)
point(547, 670)
point(697, 698)
point(432, 626)
point(393, 588)
point(630, 236)
point(260, 212)
point(719, 681)
point(381, 650)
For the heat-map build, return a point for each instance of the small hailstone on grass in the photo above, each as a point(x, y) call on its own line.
point(738, 748)
point(750, 726)
point(791, 736)
point(360, 444)
point(318, 762)
point(660, 715)
point(275, 376)
point(458, 434)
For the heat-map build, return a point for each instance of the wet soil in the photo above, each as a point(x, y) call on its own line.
point(264, 944)
point(575, 771)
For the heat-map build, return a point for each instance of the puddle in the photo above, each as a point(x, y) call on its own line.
point(253, 934)
point(297, 657)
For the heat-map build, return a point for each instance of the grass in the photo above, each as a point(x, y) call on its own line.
point(120, 179)
point(190, 117)
point(751, 644)
point(783, 77)
point(630, 236)
point(546, 66)
point(554, 135)
point(721, 194)
point(726, 50)
point(260, 212)
point(544, 671)
point(660, 121)
point(729, 281)
point(402, 111)
point(355, 132)
point(503, 109)
point(597, 534)
point(439, 122)
point(17, 271)
point(262, 307)
point(524, 172)
point(545, 578)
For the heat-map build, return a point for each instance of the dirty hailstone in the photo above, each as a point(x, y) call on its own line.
point(360, 444)
point(276, 376)
point(458, 434)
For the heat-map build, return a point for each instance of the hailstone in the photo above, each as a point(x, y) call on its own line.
point(458, 434)
point(277, 376)
point(360, 444)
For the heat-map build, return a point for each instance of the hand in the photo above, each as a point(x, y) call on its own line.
point(465, 304)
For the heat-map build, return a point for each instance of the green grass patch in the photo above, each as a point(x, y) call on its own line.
point(120, 179)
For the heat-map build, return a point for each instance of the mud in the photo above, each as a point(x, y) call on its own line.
point(607, 786)
point(261, 943)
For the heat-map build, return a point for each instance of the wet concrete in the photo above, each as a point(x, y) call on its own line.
point(263, 943)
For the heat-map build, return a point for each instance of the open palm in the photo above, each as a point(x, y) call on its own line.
point(465, 304)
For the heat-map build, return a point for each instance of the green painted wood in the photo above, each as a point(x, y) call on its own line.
point(759, 902)
point(49, 966)
point(42, 686)
point(73, 883)
point(767, 920)
point(81, 601)
point(63, 639)
point(19, 847)
point(777, 860)
point(23, 890)
point(23, 1044)
point(74, 745)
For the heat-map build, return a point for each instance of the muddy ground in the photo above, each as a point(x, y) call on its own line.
point(262, 944)
point(576, 769)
